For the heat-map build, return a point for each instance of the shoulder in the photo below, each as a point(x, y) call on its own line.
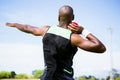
point(43, 29)
point(75, 39)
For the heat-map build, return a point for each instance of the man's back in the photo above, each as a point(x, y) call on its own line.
point(58, 53)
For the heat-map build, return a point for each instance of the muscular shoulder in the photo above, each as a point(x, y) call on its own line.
point(43, 29)
point(75, 39)
point(40, 31)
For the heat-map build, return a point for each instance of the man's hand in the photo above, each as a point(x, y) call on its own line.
point(10, 24)
point(75, 28)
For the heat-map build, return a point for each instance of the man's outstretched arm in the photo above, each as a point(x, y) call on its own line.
point(29, 29)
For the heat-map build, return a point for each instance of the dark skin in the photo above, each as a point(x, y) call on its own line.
point(91, 43)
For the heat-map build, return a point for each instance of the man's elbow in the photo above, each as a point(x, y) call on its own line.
point(99, 48)
point(103, 49)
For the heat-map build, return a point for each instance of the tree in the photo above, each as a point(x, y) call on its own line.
point(5, 75)
point(92, 78)
point(108, 78)
point(82, 78)
point(118, 78)
point(13, 74)
point(38, 73)
point(102, 79)
point(21, 76)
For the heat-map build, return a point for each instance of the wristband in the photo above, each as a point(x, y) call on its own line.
point(85, 32)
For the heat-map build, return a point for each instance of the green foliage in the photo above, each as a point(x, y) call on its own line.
point(5, 75)
point(118, 78)
point(13, 74)
point(87, 78)
point(21, 76)
point(92, 78)
point(38, 73)
point(102, 79)
point(82, 78)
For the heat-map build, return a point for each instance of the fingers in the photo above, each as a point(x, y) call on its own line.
point(72, 27)
point(10, 24)
point(7, 24)
point(75, 28)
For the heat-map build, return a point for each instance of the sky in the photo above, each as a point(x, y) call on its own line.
point(22, 53)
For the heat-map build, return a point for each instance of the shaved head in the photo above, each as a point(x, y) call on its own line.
point(66, 10)
point(66, 13)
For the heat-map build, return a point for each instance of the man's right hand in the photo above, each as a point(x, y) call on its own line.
point(75, 28)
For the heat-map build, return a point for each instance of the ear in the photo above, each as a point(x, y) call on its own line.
point(73, 17)
point(58, 18)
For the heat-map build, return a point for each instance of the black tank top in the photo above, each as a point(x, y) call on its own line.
point(58, 51)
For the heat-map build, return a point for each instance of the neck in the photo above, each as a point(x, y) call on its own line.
point(64, 24)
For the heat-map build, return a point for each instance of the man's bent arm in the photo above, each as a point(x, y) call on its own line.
point(91, 44)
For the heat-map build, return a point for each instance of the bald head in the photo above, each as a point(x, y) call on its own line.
point(66, 13)
point(66, 10)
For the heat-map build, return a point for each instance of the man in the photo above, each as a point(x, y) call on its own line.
point(60, 44)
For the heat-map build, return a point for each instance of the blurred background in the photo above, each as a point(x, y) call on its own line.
point(22, 53)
